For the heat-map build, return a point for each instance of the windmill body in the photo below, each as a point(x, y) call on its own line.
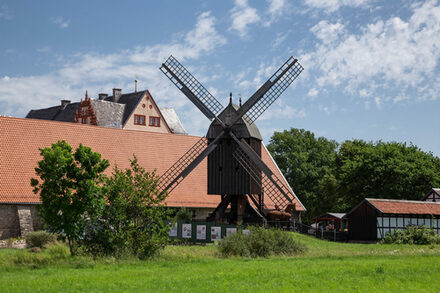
point(227, 175)
point(232, 145)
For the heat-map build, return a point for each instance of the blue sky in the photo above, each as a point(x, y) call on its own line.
point(371, 67)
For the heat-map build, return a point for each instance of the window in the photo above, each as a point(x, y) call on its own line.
point(139, 119)
point(154, 121)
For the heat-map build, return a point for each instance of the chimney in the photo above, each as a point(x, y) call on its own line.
point(102, 96)
point(64, 103)
point(116, 95)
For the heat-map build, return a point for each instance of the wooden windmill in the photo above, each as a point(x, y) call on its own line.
point(232, 145)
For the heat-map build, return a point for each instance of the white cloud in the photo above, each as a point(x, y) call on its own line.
point(242, 16)
point(327, 32)
point(334, 5)
point(276, 9)
point(313, 92)
point(61, 22)
point(378, 102)
point(102, 72)
point(5, 13)
point(44, 49)
point(391, 54)
point(280, 38)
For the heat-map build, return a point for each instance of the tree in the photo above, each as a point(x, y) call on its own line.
point(331, 179)
point(308, 164)
point(135, 217)
point(384, 170)
point(69, 188)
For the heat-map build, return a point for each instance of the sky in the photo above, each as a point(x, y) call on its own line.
point(371, 68)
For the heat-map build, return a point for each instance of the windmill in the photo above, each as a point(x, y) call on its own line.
point(232, 145)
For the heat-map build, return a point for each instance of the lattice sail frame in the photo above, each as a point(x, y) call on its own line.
point(186, 79)
point(267, 185)
point(276, 90)
point(177, 168)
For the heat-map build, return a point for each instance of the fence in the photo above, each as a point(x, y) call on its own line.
point(309, 230)
point(207, 232)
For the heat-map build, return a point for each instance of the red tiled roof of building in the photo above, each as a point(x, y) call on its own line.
point(21, 138)
point(394, 206)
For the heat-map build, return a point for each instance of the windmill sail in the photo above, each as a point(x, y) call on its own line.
point(270, 91)
point(191, 87)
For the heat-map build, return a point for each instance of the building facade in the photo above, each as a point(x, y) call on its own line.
point(371, 219)
point(134, 111)
point(156, 152)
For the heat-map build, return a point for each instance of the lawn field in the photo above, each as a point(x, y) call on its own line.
point(326, 267)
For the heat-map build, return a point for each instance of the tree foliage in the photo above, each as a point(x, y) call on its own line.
point(69, 188)
point(106, 215)
point(308, 164)
point(134, 221)
point(384, 170)
point(331, 178)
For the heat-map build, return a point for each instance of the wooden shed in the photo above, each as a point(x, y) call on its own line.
point(371, 219)
point(331, 221)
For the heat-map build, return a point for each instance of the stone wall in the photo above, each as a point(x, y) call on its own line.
point(201, 213)
point(18, 220)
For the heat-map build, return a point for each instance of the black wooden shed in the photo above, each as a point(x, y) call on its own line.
point(371, 219)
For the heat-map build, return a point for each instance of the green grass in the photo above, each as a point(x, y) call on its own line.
point(326, 267)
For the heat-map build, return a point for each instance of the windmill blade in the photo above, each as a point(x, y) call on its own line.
point(193, 157)
point(272, 186)
point(191, 87)
point(269, 91)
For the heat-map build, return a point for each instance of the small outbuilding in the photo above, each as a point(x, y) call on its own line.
point(371, 219)
point(331, 221)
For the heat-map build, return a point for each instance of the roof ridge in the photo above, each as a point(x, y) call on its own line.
point(401, 200)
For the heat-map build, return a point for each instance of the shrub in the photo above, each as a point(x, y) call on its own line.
point(260, 242)
point(39, 239)
point(58, 251)
point(412, 235)
point(184, 215)
point(35, 249)
point(135, 219)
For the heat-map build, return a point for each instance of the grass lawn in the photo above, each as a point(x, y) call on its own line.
point(326, 267)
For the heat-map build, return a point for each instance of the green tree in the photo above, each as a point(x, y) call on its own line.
point(308, 164)
point(135, 217)
point(69, 188)
point(384, 170)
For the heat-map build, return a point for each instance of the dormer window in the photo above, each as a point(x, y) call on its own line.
point(154, 121)
point(139, 119)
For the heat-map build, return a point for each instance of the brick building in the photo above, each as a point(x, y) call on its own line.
point(156, 150)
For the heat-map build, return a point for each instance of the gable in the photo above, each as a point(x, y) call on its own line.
point(147, 116)
point(433, 195)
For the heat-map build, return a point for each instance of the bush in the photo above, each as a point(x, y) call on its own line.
point(184, 215)
point(39, 239)
point(260, 242)
point(58, 251)
point(412, 235)
point(134, 222)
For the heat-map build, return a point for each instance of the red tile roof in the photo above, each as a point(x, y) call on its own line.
point(20, 139)
point(394, 206)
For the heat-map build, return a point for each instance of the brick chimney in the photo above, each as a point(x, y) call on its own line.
point(116, 95)
point(102, 96)
point(64, 103)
